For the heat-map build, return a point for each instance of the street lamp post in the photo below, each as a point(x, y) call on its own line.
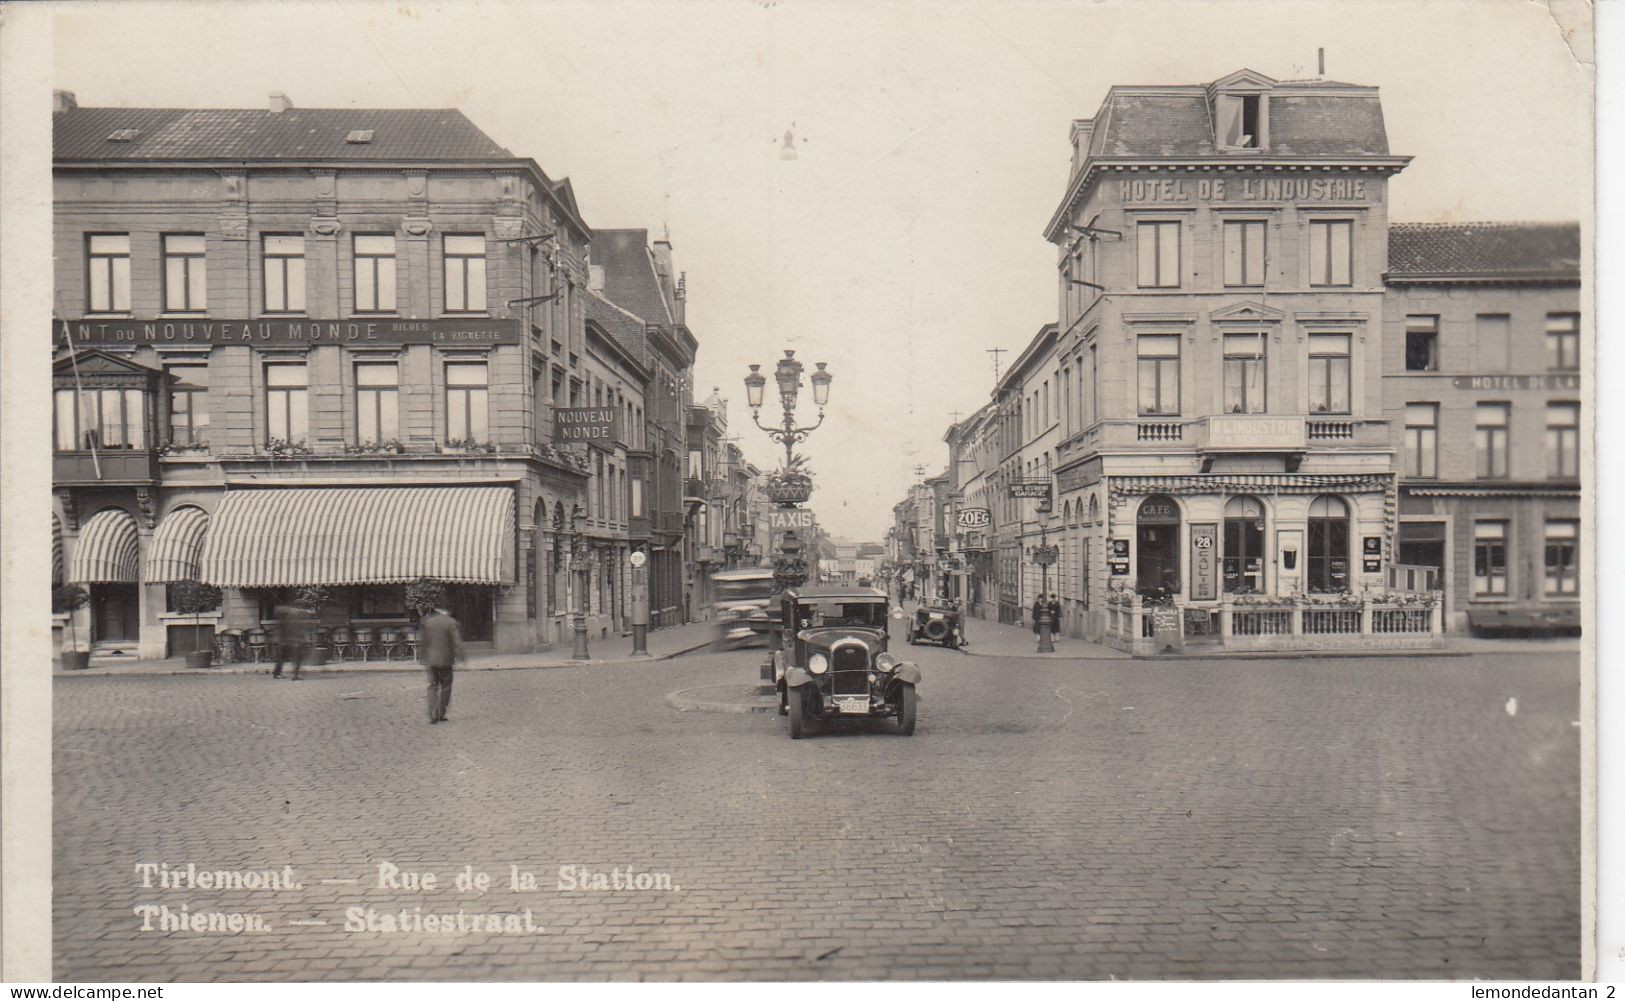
point(578, 563)
point(787, 376)
point(1045, 556)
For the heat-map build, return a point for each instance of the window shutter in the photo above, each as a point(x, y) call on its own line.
point(1229, 120)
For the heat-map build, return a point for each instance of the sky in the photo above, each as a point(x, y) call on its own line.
point(906, 238)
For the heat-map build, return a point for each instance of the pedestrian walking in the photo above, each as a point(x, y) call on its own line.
point(1038, 609)
point(440, 647)
point(292, 639)
point(1054, 606)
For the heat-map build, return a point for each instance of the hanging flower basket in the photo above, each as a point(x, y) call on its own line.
point(791, 489)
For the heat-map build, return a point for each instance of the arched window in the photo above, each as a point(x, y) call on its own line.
point(1328, 545)
point(1243, 546)
point(1156, 545)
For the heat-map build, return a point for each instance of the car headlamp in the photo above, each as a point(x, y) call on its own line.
point(818, 663)
point(885, 662)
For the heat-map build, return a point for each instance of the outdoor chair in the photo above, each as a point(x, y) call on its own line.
point(389, 642)
point(259, 646)
point(364, 639)
point(409, 640)
point(319, 638)
point(341, 640)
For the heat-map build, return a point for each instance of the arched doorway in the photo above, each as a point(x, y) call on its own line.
point(1243, 559)
point(1328, 540)
point(1156, 546)
point(537, 569)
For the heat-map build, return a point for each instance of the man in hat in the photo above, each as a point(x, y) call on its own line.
point(440, 647)
point(292, 638)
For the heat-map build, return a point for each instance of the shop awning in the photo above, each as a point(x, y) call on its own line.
point(58, 565)
point(108, 551)
point(334, 536)
point(173, 554)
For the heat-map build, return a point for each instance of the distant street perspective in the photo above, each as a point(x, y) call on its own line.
point(1089, 818)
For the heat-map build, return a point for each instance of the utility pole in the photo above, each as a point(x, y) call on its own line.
point(996, 352)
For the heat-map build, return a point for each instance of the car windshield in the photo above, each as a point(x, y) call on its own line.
point(869, 614)
point(744, 590)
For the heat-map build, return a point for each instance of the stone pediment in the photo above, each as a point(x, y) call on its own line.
point(1242, 80)
point(93, 362)
point(1246, 312)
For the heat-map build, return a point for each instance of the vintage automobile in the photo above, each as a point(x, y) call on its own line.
point(745, 610)
point(937, 621)
point(834, 663)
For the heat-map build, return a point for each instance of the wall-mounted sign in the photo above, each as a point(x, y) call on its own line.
point(1119, 569)
point(782, 518)
point(1204, 561)
point(975, 517)
point(286, 333)
point(637, 559)
point(1030, 489)
point(1255, 433)
point(1242, 189)
point(1563, 381)
point(594, 425)
point(1371, 545)
point(1156, 511)
point(1119, 549)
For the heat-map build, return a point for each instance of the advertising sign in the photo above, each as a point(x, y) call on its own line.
point(379, 332)
point(1037, 488)
point(1254, 433)
point(1564, 381)
point(975, 517)
point(1204, 561)
point(779, 519)
point(597, 426)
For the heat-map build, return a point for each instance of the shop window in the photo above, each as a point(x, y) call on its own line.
point(284, 261)
point(377, 395)
point(1563, 342)
point(1490, 439)
point(1563, 440)
point(465, 274)
point(1329, 391)
point(1421, 439)
point(1489, 558)
point(1244, 371)
point(1158, 374)
point(285, 401)
point(185, 277)
point(385, 602)
point(1159, 254)
point(374, 273)
point(466, 393)
point(1243, 559)
point(1328, 540)
point(188, 404)
point(1331, 252)
point(1421, 343)
point(100, 418)
point(107, 257)
point(1562, 559)
point(1244, 253)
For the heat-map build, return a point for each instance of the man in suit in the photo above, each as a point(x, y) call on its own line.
point(440, 646)
point(292, 638)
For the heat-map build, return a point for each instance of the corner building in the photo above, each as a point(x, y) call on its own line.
point(1222, 433)
point(316, 347)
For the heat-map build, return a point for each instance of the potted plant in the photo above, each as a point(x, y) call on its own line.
point(70, 598)
point(792, 484)
point(424, 594)
point(311, 600)
point(193, 598)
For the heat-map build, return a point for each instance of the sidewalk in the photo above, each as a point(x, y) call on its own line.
point(664, 644)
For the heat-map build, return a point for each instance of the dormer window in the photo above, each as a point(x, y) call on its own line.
point(1249, 122)
point(1242, 121)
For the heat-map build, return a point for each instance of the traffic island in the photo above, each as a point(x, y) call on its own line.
point(724, 699)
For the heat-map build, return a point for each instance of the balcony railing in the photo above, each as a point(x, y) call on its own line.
point(1230, 433)
point(118, 465)
point(1390, 621)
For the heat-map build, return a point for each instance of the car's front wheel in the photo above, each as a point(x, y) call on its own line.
point(797, 710)
point(905, 714)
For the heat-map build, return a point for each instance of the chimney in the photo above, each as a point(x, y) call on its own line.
point(662, 255)
point(595, 278)
point(1083, 129)
point(63, 100)
point(279, 102)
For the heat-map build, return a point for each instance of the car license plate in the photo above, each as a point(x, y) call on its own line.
point(936, 617)
point(857, 704)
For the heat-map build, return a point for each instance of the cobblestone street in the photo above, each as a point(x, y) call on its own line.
point(1321, 818)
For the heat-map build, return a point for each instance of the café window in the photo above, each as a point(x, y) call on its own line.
point(284, 258)
point(1159, 253)
point(1331, 252)
point(466, 391)
point(185, 276)
point(100, 418)
point(1422, 439)
point(1421, 343)
point(1328, 545)
point(1563, 440)
point(379, 602)
point(1243, 562)
point(1490, 439)
point(1489, 558)
point(107, 256)
point(465, 274)
point(377, 402)
point(189, 404)
point(1158, 374)
point(285, 413)
point(1563, 342)
point(1244, 373)
point(1329, 373)
point(1244, 253)
point(374, 274)
point(1562, 559)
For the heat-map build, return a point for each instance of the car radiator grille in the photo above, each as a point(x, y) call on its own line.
point(851, 671)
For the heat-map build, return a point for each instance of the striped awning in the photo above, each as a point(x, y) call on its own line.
point(108, 550)
point(173, 554)
point(379, 535)
point(58, 564)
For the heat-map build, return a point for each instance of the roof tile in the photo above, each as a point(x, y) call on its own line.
point(1530, 250)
